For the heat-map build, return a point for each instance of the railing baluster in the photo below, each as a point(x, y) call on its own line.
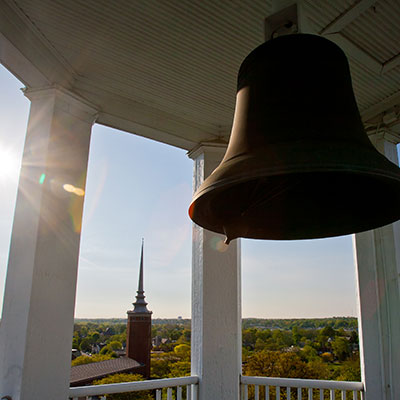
point(304, 388)
point(195, 392)
point(174, 389)
point(246, 392)
point(299, 393)
point(169, 393)
point(256, 390)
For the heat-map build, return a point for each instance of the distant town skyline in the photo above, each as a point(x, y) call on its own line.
point(138, 188)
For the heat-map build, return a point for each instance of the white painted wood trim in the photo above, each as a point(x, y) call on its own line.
point(348, 16)
point(216, 302)
point(39, 298)
point(301, 383)
point(125, 387)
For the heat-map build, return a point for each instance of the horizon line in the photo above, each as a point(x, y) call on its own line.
point(327, 317)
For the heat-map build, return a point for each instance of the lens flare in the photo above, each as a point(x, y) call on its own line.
point(68, 188)
point(8, 163)
point(42, 179)
point(79, 191)
point(218, 244)
point(76, 202)
point(72, 189)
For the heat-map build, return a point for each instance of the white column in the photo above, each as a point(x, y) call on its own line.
point(216, 300)
point(39, 299)
point(377, 255)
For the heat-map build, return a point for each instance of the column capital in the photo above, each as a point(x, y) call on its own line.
point(385, 141)
point(390, 136)
point(66, 100)
point(208, 147)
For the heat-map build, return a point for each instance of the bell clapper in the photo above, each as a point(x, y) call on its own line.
point(227, 238)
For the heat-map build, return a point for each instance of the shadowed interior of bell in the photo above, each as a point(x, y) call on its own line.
point(299, 206)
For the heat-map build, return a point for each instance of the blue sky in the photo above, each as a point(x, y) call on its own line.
point(140, 188)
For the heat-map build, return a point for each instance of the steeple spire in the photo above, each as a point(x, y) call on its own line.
point(140, 305)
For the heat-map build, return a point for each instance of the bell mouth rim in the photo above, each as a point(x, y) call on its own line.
point(230, 228)
point(383, 167)
point(358, 163)
point(224, 183)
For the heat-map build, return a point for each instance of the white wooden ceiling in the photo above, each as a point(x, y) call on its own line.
point(167, 69)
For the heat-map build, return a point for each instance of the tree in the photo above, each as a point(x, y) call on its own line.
point(317, 369)
point(87, 360)
point(263, 334)
point(354, 337)
point(328, 331)
point(341, 348)
point(182, 351)
point(107, 350)
point(284, 365)
point(75, 343)
point(94, 337)
point(279, 338)
point(309, 353)
point(260, 344)
point(350, 370)
point(296, 335)
point(249, 338)
point(180, 368)
point(290, 365)
point(161, 365)
point(85, 345)
point(261, 364)
point(118, 378)
point(327, 356)
point(115, 345)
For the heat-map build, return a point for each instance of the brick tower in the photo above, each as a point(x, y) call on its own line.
point(138, 334)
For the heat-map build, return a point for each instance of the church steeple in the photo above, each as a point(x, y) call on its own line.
point(138, 332)
point(140, 305)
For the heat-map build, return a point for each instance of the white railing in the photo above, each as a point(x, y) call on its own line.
point(260, 388)
point(171, 386)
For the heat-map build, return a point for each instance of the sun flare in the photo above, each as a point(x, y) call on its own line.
point(8, 163)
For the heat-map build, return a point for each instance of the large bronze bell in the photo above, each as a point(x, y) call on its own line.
point(299, 164)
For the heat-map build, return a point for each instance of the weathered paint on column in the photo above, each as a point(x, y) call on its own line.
point(39, 299)
point(216, 300)
point(377, 270)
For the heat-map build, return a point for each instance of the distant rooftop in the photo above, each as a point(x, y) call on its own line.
point(86, 373)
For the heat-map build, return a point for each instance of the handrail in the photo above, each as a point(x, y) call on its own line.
point(301, 383)
point(97, 390)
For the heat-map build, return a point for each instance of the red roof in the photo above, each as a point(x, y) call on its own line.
point(85, 373)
